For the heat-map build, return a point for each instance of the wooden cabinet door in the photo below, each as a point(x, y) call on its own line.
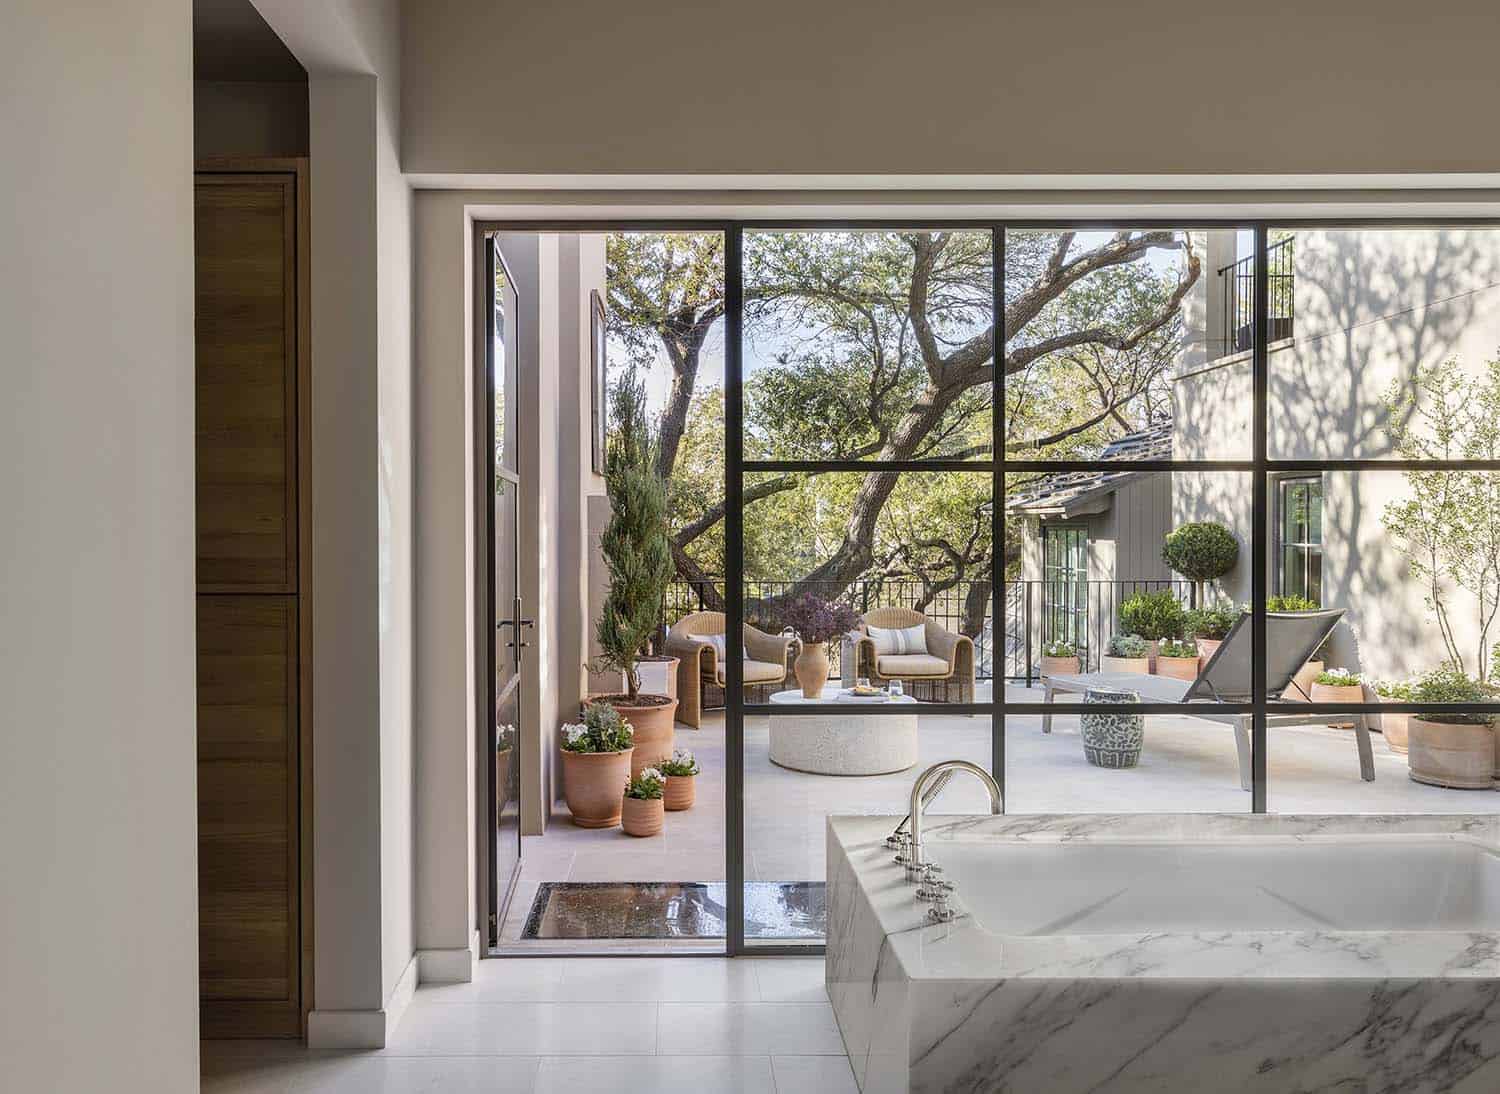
point(254, 929)
point(246, 323)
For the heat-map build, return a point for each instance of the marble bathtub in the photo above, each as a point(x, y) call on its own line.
point(1172, 953)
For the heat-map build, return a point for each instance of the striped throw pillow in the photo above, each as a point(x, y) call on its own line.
point(899, 640)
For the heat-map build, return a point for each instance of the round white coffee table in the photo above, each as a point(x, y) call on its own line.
point(845, 737)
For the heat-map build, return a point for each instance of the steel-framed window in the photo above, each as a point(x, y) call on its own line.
point(1299, 537)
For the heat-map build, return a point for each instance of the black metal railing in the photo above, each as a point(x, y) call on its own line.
point(1085, 613)
point(1237, 283)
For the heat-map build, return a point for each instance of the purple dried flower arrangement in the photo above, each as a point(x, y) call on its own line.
point(818, 620)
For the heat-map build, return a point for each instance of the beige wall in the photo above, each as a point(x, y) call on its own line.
point(98, 912)
point(1037, 86)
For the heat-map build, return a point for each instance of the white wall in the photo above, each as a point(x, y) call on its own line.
point(98, 913)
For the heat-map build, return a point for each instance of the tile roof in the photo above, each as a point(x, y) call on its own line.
point(1069, 491)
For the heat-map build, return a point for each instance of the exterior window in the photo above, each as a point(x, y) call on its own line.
point(1065, 572)
point(1301, 539)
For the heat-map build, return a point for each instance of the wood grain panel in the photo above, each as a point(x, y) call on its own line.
point(246, 323)
point(248, 832)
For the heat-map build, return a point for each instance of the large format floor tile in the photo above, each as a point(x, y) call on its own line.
point(653, 980)
point(657, 1075)
point(748, 1029)
point(525, 1029)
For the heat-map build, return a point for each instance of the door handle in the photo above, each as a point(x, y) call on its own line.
point(515, 623)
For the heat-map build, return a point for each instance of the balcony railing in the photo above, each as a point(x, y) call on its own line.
point(1237, 282)
point(1085, 613)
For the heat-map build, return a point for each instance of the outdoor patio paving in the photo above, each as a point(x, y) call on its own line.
point(1188, 765)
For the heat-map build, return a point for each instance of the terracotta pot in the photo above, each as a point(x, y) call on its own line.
point(811, 667)
point(651, 726)
point(1304, 679)
point(1457, 756)
point(1338, 693)
point(594, 785)
point(1178, 668)
point(681, 792)
point(1207, 647)
point(1059, 666)
point(1141, 665)
point(1393, 727)
point(502, 780)
point(641, 816)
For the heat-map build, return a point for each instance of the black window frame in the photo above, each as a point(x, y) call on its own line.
point(1306, 546)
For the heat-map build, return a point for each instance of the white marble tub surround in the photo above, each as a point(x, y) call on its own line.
point(1056, 978)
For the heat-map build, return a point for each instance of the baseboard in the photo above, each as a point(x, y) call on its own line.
point(344, 1029)
point(451, 966)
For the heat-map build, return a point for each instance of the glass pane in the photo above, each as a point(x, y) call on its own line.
point(504, 361)
point(1124, 345)
point(1315, 512)
point(1362, 320)
point(868, 345)
point(1293, 573)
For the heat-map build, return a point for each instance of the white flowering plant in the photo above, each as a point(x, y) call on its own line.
point(1339, 678)
point(681, 765)
point(602, 730)
point(647, 785)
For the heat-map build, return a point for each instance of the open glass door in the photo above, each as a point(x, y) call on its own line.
point(504, 622)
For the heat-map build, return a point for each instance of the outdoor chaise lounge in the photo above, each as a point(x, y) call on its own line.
point(1291, 638)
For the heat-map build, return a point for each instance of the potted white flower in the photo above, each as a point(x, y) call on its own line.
point(1338, 686)
point(1059, 659)
point(682, 777)
point(596, 763)
point(1177, 659)
point(642, 814)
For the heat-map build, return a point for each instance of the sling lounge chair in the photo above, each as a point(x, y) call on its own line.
point(1291, 638)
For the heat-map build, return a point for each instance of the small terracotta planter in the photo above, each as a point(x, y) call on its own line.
point(680, 793)
point(811, 668)
point(1139, 665)
point(641, 816)
point(1207, 647)
point(1338, 693)
point(1303, 681)
point(1178, 668)
point(1059, 666)
point(1458, 756)
point(651, 720)
point(593, 784)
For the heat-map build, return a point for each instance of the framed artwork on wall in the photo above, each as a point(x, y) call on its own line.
point(597, 377)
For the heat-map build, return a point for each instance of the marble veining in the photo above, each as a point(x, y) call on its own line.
point(956, 1006)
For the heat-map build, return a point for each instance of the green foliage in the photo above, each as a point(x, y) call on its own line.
point(602, 730)
point(1448, 525)
point(1059, 649)
point(1129, 645)
point(1338, 678)
point(1172, 647)
point(1447, 684)
point(648, 785)
point(682, 764)
point(1212, 622)
point(1153, 615)
point(1200, 551)
point(1289, 604)
point(635, 545)
point(1401, 690)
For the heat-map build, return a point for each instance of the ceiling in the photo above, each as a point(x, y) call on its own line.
point(232, 42)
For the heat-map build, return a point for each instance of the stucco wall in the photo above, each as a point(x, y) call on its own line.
point(98, 809)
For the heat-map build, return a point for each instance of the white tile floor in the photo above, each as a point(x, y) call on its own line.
point(581, 1025)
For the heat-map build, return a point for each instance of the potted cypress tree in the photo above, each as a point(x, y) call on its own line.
point(639, 558)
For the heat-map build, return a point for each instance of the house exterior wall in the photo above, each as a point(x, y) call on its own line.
point(1371, 308)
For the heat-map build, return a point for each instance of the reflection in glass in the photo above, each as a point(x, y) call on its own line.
point(868, 345)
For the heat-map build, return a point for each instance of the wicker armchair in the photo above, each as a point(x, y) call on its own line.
point(767, 660)
point(948, 662)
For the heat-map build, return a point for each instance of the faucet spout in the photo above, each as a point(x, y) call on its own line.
point(938, 775)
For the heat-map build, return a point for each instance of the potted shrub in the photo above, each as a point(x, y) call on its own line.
point(1393, 724)
point(1059, 658)
point(1153, 616)
point(681, 771)
point(1338, 686)
point(1454, 750)
point(1300, 689)
point(817, 622)
point(641, 810)
point(596, 763)
point(1127, 653)
point(1177, 659)
point(1208, 627)
point(639, 558)
point(1201, 552)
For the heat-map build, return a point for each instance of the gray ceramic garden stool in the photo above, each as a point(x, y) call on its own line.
point(1112, 739)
